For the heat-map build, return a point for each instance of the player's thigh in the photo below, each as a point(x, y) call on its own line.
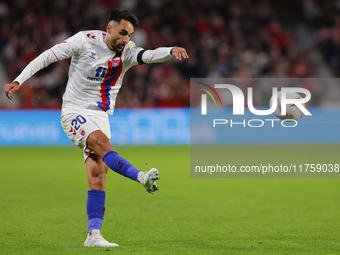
point(99, 142)
point(78, 125)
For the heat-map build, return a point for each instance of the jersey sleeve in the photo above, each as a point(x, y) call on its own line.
point(68, 48)
point(40, 62)
point(130, 54)
point(158, 55)
point(136, 55)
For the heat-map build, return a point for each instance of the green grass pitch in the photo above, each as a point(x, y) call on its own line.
point(43, 201)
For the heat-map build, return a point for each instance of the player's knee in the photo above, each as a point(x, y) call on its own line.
point(100, 143)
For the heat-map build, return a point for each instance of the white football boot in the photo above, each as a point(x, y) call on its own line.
point(95, 239)
point(148, 180)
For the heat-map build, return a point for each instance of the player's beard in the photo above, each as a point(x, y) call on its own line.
point(115, 46)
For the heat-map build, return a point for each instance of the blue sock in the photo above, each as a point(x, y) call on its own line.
point(120, 165)
point(95, 208)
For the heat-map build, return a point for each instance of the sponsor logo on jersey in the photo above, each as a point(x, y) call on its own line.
point(100, 74)
point(95, 79)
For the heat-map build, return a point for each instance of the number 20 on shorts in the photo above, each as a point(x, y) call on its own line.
point(75, 125)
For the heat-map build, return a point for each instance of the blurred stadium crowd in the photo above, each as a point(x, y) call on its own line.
point(324, 17)
point(243, 38)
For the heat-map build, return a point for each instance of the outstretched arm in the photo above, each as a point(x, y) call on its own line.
point(37, 64)
point(66, 49)
point(161, 54)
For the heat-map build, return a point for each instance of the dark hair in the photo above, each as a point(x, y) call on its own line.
point(118, 14)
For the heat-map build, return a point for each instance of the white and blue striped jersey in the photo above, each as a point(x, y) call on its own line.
point(96, 72)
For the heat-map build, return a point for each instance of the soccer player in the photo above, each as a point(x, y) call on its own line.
point(99, 61)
